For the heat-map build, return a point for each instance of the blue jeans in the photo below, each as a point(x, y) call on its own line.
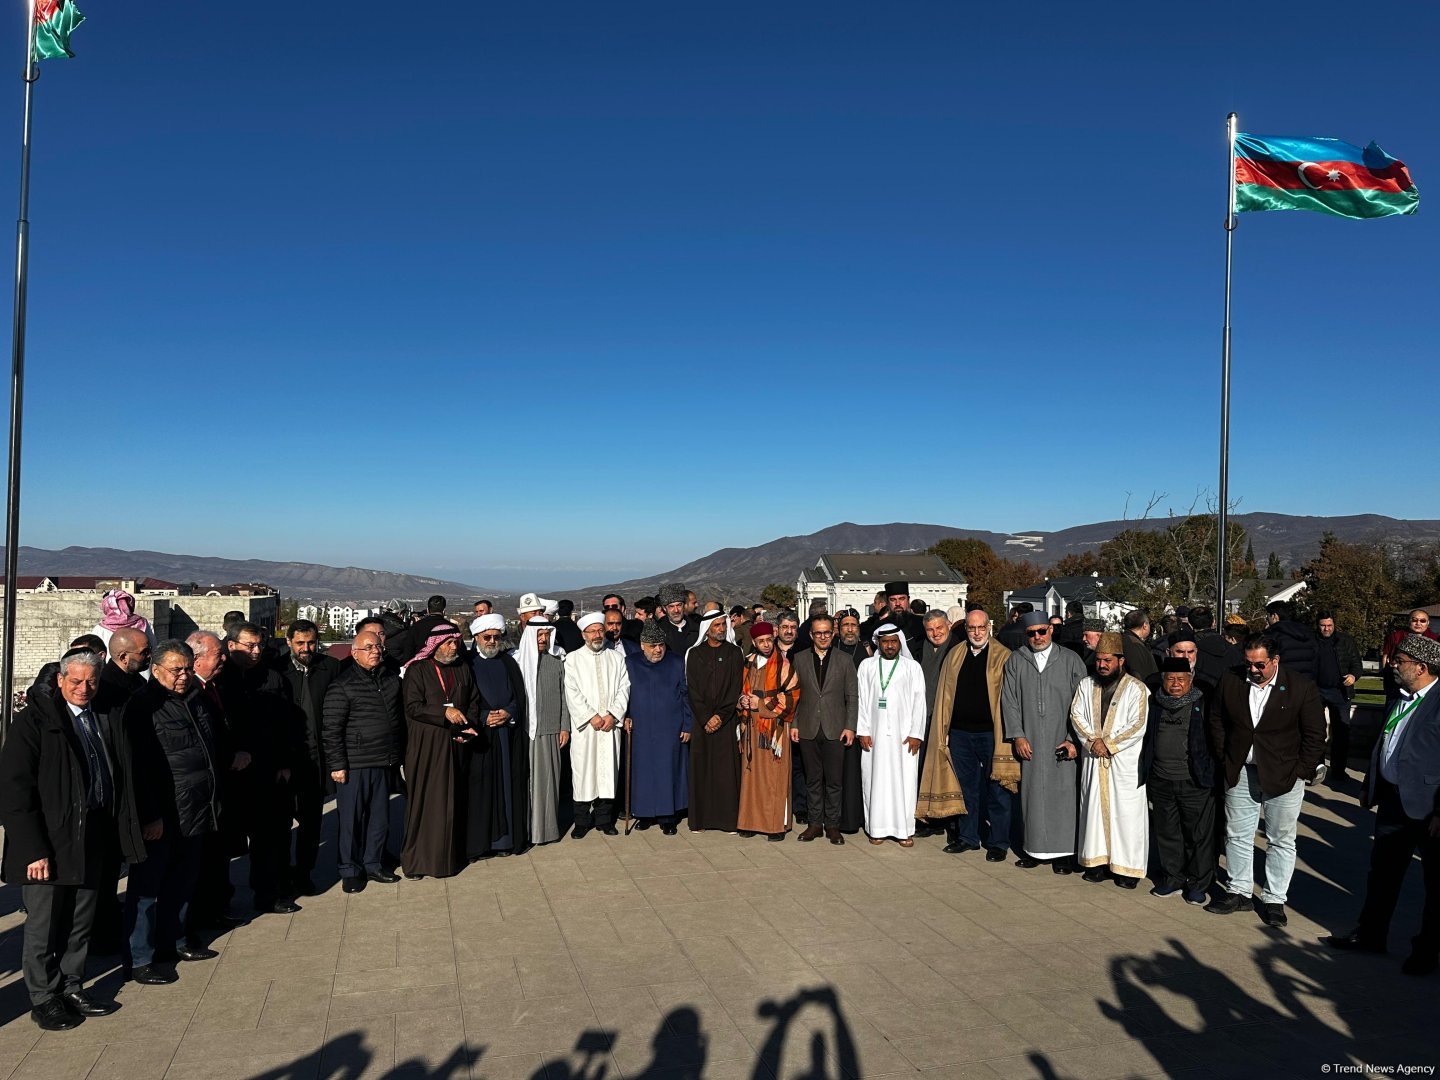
point(362, 811)
point(157, 893)
point(986, 800)
point(1243, 803)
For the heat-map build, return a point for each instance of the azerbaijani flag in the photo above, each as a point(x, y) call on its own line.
point(54, 21)
point(1274, 172)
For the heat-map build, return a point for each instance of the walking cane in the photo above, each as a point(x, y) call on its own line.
point(629, 757)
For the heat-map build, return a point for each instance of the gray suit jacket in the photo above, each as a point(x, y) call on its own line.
point(1416, 761)
point(833, 709)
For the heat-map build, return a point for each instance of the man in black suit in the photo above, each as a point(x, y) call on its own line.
point(67, 806)
point(1268, 732)
point(307, 674)
point(824, 727)
point(1404, 785)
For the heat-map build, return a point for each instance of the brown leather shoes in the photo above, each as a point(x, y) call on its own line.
point(833, 835)
point(811, 833)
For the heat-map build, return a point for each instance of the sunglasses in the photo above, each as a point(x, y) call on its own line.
point(1038, 632)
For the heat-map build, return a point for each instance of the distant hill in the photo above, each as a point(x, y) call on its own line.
point(298, 580)
point(745, 571)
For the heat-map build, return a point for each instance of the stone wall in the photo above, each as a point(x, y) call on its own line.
point(46, 623)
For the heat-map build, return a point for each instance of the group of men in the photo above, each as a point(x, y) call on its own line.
point(1074, 757)
point(173, 758)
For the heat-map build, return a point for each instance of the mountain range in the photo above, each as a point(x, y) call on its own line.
point(299, 580)
point(727, 572)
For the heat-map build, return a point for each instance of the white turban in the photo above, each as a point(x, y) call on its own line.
point(593, 618)
point(481, 623)
point(885, 630)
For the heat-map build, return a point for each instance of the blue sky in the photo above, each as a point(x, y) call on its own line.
point(595, 288)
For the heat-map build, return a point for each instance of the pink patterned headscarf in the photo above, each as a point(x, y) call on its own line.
point(117, 612)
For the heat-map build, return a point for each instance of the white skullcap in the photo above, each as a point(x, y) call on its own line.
point(593, 618)
point(550, 607)
point(481, 623)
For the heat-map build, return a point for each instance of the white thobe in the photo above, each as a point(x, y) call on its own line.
point(889, 773)
point(1114, 818)
point(596, 683)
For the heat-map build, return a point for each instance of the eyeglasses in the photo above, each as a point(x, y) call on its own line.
point(611, 607)
point(369, 648)
point(1039, 631)
point(490, 637)
point(179, 671)
point(1258, 665)
point(1405, 660)
point(822, 633)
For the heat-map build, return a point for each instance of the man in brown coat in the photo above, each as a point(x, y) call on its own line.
point(971, 773)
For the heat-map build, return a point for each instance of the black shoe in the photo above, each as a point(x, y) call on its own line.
point(959, 847)
point(82, 1004)
point(223, 924)
point(153, 975)
point(995, 854)
point(353, 884)
point(644, 823)
point(580, 833)
point(812, 832)
point(53, 1015)
point(833, 835)
point(1096, 873)
point(609, 830)
point(1061, 867)
point(1228, 903)
point(775, 837)
point(928, 830)
point(188, 954)
point(384, 877)
point(1354, 942)
point(1123, 882)
point(1025, 862)
point(670, 830)
point(1163, 889)
point(276, 907)
point(414, 877)
point(1196, 897)
point(747, 833)
point(1420, 964)
point(1272, 914)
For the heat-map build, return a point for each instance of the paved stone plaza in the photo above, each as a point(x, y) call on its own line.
point(711, 955)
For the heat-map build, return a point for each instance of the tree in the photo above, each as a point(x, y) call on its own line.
point(1082, 565)
point(1272, 567)
point(1359, 583)
point(988, 575)
point(1250, 553)
point(1157, 567)
point(776, 595)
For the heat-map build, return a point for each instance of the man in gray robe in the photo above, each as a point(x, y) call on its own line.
point(542, 667)
point(1039, 685)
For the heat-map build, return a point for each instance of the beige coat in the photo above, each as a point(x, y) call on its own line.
point(940, 795)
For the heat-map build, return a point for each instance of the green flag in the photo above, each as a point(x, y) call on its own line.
point(54, 22)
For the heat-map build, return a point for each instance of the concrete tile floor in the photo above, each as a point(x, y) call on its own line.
point(709, 955)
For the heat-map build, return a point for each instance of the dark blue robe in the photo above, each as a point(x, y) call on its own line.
point(660, 762)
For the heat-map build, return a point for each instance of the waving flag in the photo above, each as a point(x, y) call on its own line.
point(54, 22)
point(1281, 173)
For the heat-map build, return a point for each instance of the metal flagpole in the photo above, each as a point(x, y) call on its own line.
point(1222, 548)
point(17, 381)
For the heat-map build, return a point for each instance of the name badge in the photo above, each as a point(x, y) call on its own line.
point(882, 703)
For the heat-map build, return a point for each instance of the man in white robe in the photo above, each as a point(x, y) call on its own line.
point(1108, 715)
point(597, 690)
point(891, 731)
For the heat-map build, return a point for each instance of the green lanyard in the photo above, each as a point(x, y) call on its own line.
point(885, 679)
point(1391, 724)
